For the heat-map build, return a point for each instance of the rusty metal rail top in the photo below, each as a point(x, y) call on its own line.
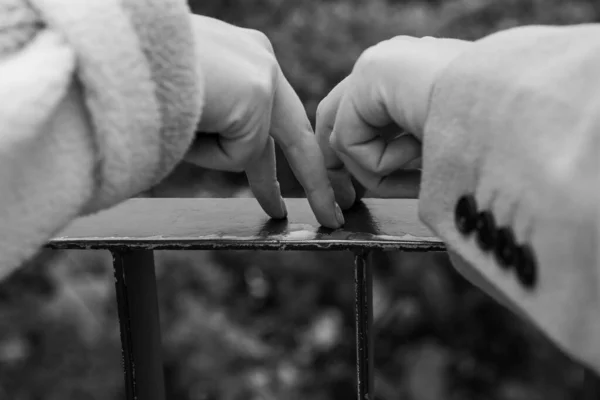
point(132, 230)
point(240, 223)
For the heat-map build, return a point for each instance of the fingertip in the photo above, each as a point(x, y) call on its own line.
point(331, 223)
point(339, 215)
point(283, 208)
point(346, 202)
point(343, 189)
point(326, 211)
point(273, 208)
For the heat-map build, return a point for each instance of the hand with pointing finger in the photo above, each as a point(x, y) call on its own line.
point(370, 126)
point(249, 106)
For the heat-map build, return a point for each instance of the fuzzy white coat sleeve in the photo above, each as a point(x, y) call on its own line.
point(99, 99)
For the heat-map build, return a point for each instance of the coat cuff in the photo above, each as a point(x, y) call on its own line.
point(512, 134)
point(136, 64)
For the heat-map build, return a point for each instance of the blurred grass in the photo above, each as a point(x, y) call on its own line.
point(251, 325)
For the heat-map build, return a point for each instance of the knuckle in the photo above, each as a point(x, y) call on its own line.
point(262, 86)
point(299, 144)
point(372, 58)
point(313, 191)
point(263, 81)
point(262, 39)
point(405, 38)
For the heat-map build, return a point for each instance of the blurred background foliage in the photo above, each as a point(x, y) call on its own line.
point(251, 325)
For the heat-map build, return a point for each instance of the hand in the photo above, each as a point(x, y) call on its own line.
point(371, 124)
point(249, 105)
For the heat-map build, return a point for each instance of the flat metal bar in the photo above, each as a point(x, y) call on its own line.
point(137, 301)
point(195, 224)
point(363, 286)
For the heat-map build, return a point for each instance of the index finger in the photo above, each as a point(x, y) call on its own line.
point(339, 176)
point(291, 129)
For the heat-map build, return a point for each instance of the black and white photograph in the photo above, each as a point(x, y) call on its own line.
point(299, 199)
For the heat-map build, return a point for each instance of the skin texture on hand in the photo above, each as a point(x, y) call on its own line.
point(370, 126)
point(250, 105)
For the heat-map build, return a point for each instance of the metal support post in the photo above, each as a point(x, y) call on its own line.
point(137, 302)
point(363, 282)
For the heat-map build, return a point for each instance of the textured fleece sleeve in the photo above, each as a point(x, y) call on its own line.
point(99, 100)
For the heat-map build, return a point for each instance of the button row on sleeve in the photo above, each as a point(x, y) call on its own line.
point(498, 240)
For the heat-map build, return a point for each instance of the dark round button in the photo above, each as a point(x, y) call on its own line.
point(505, 248)
point(525, 265)
point(485, 225)
point(465, 214)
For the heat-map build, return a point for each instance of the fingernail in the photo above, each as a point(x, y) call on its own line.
point(339, 215)
point(283, 207)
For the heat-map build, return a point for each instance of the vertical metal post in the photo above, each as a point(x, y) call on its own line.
point(363, 287)
point(591, 385)
point(137, 302)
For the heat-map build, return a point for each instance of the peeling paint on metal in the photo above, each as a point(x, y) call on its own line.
point(213, 224)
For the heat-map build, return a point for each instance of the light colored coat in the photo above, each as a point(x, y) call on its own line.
point(99, 99)
point(515, 123)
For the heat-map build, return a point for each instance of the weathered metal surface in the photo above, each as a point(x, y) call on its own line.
point(137, 302)
point(195, 224)
point(363, 291)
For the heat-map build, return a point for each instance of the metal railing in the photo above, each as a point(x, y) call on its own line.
point(133, 230)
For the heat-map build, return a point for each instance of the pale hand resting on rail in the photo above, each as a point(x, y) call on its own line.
point(251, 105)
point(100, 103)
